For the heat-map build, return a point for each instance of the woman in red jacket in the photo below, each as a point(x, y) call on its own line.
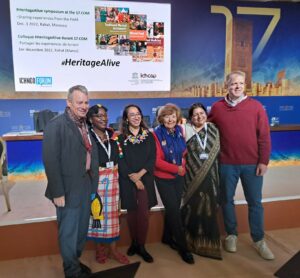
point(169, 176)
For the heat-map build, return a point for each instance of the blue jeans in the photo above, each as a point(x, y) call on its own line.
point(252, 187)
point(72, 231)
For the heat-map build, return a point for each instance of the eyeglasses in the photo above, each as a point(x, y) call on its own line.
point(100, 116)
point(132, 115)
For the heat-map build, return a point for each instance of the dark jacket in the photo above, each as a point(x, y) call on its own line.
point(64, 157)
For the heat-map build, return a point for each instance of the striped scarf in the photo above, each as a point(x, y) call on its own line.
point(81, 124)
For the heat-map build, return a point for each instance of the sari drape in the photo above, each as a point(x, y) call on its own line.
point(201, 195)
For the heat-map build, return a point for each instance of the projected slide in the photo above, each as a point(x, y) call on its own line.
point(104, 45)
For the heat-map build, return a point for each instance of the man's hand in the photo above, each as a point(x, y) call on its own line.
point(60, 201)
point(261, 169)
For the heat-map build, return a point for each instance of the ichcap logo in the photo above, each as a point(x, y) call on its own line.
point(135, 75)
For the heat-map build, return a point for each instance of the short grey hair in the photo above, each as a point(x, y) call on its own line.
point(237, 72)
point(80, 88)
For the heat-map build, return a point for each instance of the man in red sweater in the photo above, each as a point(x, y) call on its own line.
point(245, 152)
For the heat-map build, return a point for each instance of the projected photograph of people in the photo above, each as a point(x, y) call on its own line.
point(138, 47)
point(154, 52)
point(123, 46)
point(158, 29)
point(129, 34)
point(104, 41)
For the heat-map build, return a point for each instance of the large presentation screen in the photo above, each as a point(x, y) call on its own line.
point(105, 45)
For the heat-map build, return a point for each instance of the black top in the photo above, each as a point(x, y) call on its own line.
point(103, 157)
point(137, 155)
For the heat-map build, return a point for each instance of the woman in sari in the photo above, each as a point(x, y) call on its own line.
point(201, 194)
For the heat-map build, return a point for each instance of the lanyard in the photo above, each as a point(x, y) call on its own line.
point(107, 150)
point(202, 143)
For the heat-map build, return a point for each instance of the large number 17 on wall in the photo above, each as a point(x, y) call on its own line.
point(275, 12)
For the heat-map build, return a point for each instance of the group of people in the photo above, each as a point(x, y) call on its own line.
point(94, 171)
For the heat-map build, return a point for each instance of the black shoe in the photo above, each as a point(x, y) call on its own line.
point(187, 257)
point(171, 243)
point(81, 274)
point(85, 268)
point(132, 249)
point(141, 251)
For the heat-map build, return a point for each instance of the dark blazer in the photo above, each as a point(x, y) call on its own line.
point(64, 157)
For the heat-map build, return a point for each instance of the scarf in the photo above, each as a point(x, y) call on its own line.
point(81, 124)
point(235, 102)
point(172, 144)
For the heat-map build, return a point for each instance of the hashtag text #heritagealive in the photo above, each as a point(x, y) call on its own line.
point(90, 63)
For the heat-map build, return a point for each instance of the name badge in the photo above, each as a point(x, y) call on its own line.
point(203, 156)
point(109, 164)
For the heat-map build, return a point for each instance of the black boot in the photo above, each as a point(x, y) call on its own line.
point(186, 256)
point(141, 251)
point(133, 248)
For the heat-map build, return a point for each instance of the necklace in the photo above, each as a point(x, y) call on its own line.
point(137, 139)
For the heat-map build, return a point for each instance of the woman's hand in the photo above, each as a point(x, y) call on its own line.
point(137, 176)
point(139, 185)
point(134, 177)
point(180, 170)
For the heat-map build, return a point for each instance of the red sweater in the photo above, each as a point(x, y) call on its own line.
point(244, 131)
point(164, 169)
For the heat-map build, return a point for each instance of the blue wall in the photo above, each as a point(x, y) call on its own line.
point(16, 115)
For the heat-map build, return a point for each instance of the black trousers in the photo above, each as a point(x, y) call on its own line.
point(170, 191)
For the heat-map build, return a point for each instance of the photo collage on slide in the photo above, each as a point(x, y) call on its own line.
point(129, 34)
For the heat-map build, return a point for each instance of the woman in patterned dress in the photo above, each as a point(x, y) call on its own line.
point(106, 232)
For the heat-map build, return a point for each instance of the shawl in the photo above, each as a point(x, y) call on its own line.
point(172, 144)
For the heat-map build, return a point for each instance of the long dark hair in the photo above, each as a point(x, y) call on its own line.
point(124, 126)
